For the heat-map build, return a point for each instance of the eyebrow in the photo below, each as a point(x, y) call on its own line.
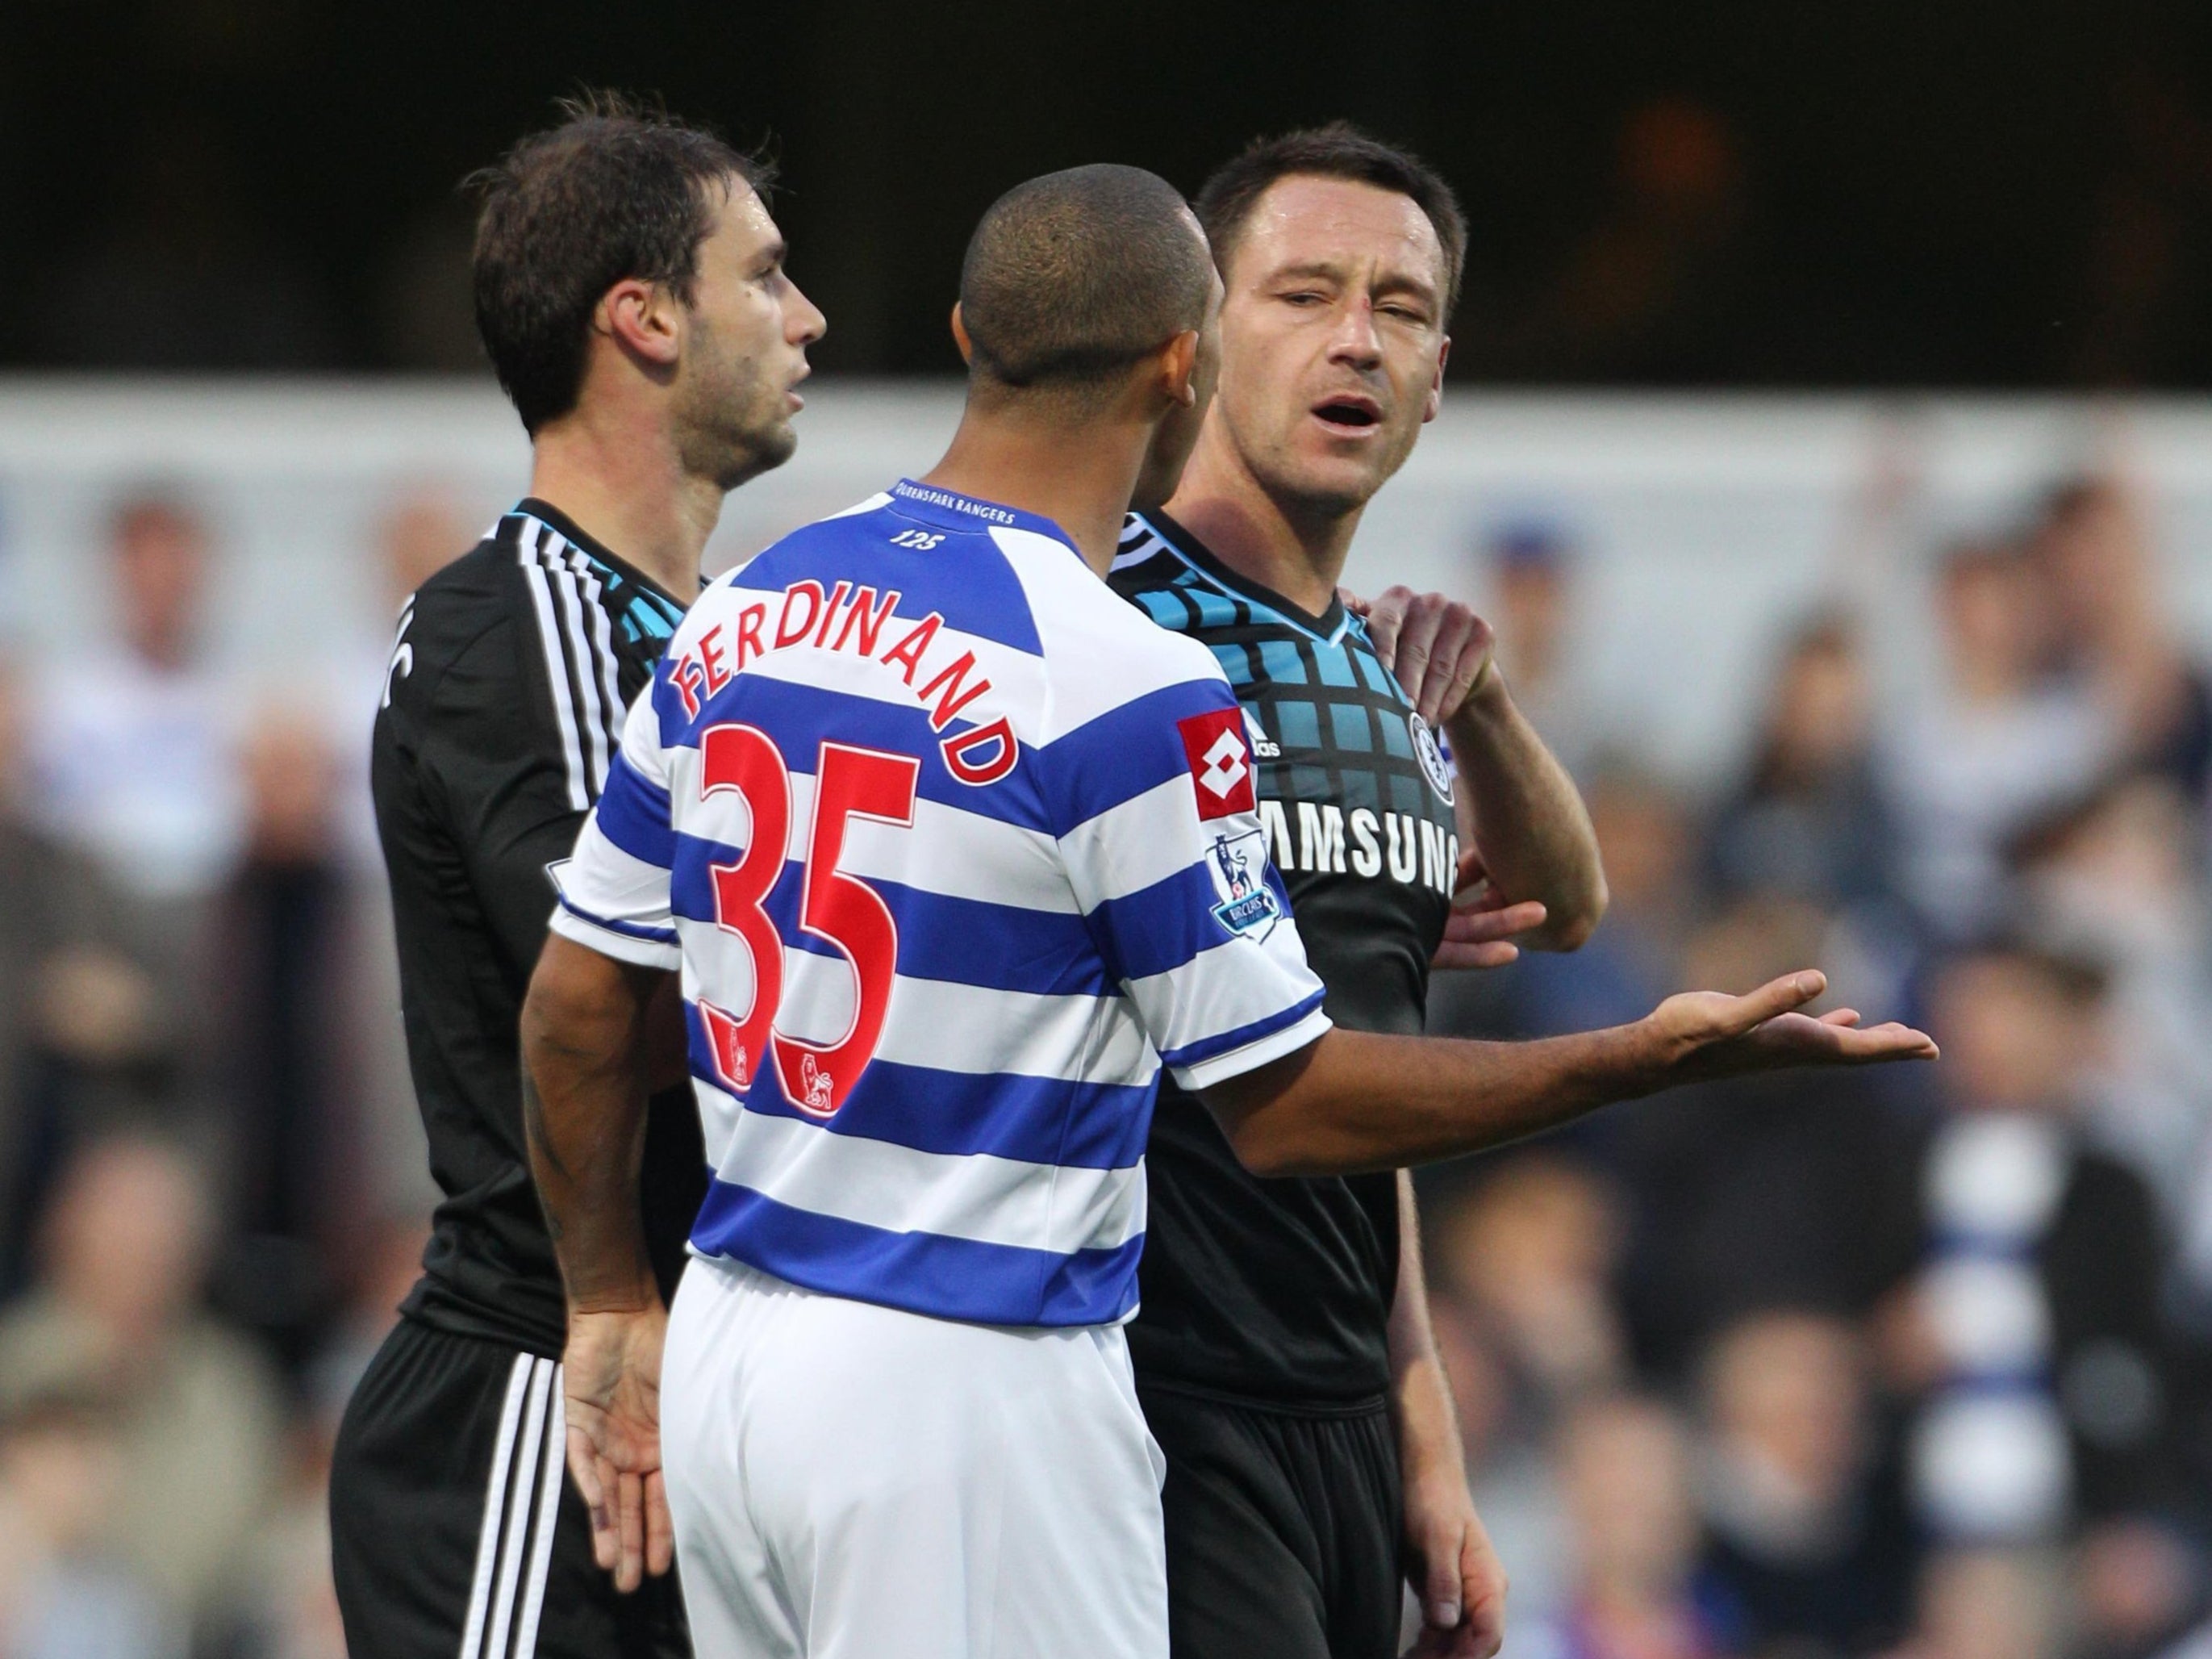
point(772, 255)
point(1393, 281)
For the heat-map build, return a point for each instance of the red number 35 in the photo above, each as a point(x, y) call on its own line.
point(839, 908)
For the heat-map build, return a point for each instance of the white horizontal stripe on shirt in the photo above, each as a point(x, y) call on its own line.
point(974, 1195)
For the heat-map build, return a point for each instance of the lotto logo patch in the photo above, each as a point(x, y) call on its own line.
point(1220, 764)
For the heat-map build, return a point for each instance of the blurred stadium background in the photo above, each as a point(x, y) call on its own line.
point(1828, 439)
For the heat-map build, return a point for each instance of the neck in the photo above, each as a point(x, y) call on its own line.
point(1078, 473)
point(1296, 548)
point(624, 485)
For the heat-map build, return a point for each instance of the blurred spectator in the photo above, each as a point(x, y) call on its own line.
point(1530, 579)
point(196, 1415)
point(1806, 1534)
point(81, 1021)
point(1762, 1192)
point(2114, 628)
point(1986, 1604)
point(61, 1467)
point(1624, 1465)
point(297, 1023)
point(2113, 878)
point(1999, 745)
point(282, 1604)
point(1807, 821)
point(1526, 1327)
point(2032, 1333)
point(131, 744)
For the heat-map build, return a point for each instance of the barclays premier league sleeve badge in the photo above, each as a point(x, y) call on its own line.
point(1239, 866)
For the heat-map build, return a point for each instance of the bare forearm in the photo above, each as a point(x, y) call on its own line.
point(1527, 817)
point(1421, 1398)
point(1356, 1100)
point(584, 1092)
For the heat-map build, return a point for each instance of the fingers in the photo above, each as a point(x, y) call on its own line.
point(1798, 1040)
point(1457, 658)
point(1775, 998)
point(1386, 614)
point(629, 1563)
point(1417, 652)
point(1484, 1590)
point(659, 1526)
point(1440, 1602)
point(1471, 924)
point(585, 1465)
point(1472, 873)
point(1499, 953)
point(1351, 602)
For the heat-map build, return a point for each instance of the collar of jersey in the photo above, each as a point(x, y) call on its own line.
point(567, 528)
point(934, 504)
point(1328, 627)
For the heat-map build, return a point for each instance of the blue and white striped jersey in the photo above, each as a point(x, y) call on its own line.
point(954, 850)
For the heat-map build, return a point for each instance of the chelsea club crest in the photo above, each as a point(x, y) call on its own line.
point(1430, 754)
point(1239, 865)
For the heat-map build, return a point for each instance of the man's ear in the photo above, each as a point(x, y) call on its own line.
point(960, 336)
point(1178, 368)
point(644, 318)
point(1436, 398)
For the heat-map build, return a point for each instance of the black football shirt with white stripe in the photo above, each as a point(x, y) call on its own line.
point(502, 709)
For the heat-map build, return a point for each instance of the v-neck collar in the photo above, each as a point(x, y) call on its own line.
point(1329, 627)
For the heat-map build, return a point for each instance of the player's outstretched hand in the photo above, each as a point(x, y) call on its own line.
point(1710, 1034)
point(610, 1383)
point(1438, 647)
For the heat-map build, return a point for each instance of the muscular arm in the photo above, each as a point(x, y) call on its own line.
point(587, 1027)
point(1356, 1100)
point(1455, 1571)
point(1529, 821)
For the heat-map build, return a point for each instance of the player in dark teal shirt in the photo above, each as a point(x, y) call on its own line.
point(1282, 1347)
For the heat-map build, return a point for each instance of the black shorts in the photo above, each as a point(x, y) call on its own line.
point(449, 1465)
point(1283, 1529)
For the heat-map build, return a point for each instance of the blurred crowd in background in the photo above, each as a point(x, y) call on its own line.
point(1911, 1365)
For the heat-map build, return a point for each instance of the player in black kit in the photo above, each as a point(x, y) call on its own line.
point(630, 290)
point(1283, 1349)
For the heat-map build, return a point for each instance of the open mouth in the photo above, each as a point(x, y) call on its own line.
point(1349, 413)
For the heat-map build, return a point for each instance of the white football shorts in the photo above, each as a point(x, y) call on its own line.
point(851, 1481)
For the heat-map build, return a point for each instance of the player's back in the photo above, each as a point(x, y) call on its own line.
point(955, 857)
point(503, 707)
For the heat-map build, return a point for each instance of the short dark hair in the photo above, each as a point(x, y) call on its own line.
point(617, 189)
point(1339, 150)
point(1073, 276)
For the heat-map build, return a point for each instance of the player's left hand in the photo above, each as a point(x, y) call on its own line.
point(1455, 1571)
point(1481, 928)
point(611, 1388)
point(1438, 647)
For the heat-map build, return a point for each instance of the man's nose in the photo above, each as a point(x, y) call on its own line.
point(1355, 340)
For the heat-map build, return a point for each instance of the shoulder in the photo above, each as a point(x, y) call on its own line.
point(1096, 645)
point(474, 595)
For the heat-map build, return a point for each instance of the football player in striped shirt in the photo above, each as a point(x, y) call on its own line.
point(954, 851)
point(1283, 1351)
point(631, 292)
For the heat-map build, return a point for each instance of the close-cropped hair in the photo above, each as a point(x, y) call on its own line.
point(1073, 277)
point(617, 189)
point(1339, 150)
